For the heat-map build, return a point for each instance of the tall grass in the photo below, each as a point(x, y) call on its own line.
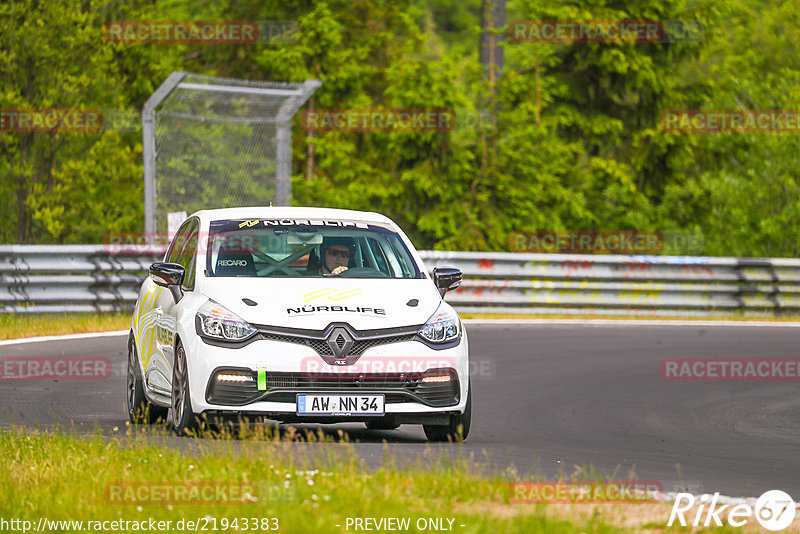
point(307, 487)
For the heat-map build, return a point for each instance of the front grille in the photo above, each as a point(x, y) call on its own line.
point(284, 387)
point(323, 349)
point(274, 382)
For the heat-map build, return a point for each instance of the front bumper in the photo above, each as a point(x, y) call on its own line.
point(395, 370)
point(284, 387)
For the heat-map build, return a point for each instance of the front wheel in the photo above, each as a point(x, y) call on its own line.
point(140, 410)
point(457, 430)
point(184, 420)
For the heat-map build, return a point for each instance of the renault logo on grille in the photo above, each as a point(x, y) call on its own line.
point(340, 341)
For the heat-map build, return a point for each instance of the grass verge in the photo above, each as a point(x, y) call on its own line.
point(268, 476)
point(17, 325)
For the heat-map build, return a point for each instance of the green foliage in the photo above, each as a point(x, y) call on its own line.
point(569, 140)
point(261, 475)
point(746, 186)
point(41, 42)
point(91, 194)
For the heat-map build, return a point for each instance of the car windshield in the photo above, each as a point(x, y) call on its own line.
point(307, 248)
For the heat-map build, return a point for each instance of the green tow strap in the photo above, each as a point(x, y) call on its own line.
point(262, 379)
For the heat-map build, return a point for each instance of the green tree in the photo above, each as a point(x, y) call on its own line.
point(54, 57)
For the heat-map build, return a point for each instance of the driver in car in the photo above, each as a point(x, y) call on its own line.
point(336, 253)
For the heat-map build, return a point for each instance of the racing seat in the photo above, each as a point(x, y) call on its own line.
point(234, 260)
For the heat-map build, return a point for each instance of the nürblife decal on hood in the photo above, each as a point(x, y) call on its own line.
point(307, 310)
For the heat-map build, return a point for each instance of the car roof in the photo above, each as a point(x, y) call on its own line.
point(290, 212)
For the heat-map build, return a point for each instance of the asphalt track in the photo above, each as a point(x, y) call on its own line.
point(546, 398)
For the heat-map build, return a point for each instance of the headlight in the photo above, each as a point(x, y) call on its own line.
point(443, 326)
point(218, 322)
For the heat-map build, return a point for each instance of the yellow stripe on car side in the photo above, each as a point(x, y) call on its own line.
point(152, 332)
point(140, 321)
point(149, 298)
point(143, 322)
point(137, 322)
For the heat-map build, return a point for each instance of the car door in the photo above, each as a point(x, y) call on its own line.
point(169, 316)
point(161, 325)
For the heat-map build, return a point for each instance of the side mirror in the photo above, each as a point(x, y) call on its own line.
point(169, 275)
point(446, 278)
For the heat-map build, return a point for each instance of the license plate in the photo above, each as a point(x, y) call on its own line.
point(340, 404)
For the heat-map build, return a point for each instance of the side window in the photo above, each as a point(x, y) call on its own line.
point(380, 259)
point(182, 250)
point(188, 258)
point(400, 255)
point(177, 242)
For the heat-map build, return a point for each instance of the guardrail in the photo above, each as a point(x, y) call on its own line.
point(83, 278)
point(623, 285)
point(70, 278)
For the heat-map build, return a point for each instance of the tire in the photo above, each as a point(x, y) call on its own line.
point(457, 430)
point(184, 421)
point(140, 410)
point(381, 425)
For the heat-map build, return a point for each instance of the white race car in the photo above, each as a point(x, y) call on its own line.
point(298, 315)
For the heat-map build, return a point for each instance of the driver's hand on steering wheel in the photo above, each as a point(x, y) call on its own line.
point(340, 269)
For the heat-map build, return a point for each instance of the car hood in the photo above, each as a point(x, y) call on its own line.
point(314, 303)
